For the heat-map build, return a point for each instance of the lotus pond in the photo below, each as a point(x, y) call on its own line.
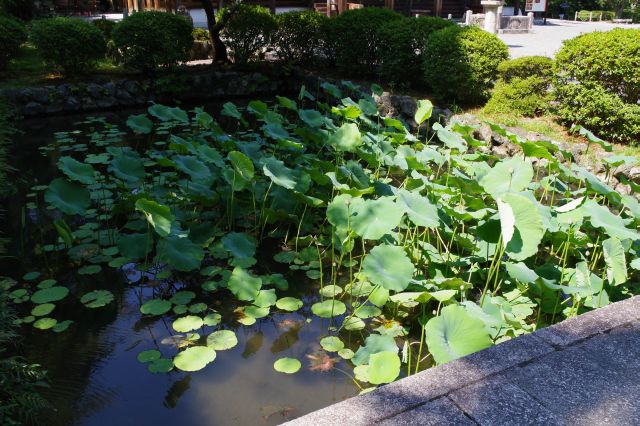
point(251, 264)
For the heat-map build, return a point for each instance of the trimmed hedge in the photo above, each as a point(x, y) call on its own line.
point(525, 96)
point(597, 83)
point(460, 64)
point(354, 34)
point(12, 35)
point(299, 36)
point(105, 26)
point(525, 67)
point(403, 42)
point(69, 44)
point(148, 40)
point(248, 32)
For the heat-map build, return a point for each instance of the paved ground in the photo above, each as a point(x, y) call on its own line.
point(583, 371)
point(547, 39)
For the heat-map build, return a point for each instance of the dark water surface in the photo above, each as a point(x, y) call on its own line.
point(95, 377)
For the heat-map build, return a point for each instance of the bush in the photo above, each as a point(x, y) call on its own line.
point(354, 34)
point(105, 26)
point(148, 40)
point(12, 35)
point(200, 34)
point(525, 67)
point(633, 14)
point(298, 36)
point(460, 64)
point(524, 96)
point(597, 83)
point(403, 40)
point(71, 45)
point(248, 32)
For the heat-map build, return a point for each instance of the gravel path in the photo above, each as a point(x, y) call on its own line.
point(547, 39)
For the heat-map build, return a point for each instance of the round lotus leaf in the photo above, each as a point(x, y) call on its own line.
point(361, 373)
point(353, 324)
point(180, 309)
point(330, 290)
point(198, 308)
point(454, 334)
point(328, 308)
point(256, 311)
point(45, 323)
point(28, 319)
point(212, 319)
point(194, 358)
point(287, 365)
point(374, 218)
point(162, 365)
point(118, 262)
point(140, 124)
point(384, 367)
point(346, 353)
point(62, 326)
point(148, 356)
point(155, 307)
point(47, 283)
point(243, 285)
point(42, 310)
point(51, 294)
point(265, 298)
point(31, 276)
point(180, 253)
point(182, 297)
point(247, 320)
point(15, 294)
point(222, 339)
point(76, 170)
point(69, 198)
point(331, 344)
point(158, 216)
point(187, 323)
point(89, 270)
point(389, 267)
point(368, 311)
point(97, 298)
point(290, 304)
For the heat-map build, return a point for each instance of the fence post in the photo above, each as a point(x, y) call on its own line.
point(467, 17)
point(530, 16)
point(590, 16)
point(575, 18)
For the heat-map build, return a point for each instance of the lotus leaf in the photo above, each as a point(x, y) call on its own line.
point(97, 298)
point(155, 307)
point(180, 253)
point(158, 216)
point(346, 138)
point(161, 365)
point(222, 339)
point(51, 294)
point(194, 358)
point(149, 355)
point(45, 323)
point(140, 124)
point(187, 323)
point(290, 304)
point(76, 170)
point(68, 197)
point(287, 365)
point(331, 344)
point(372, 219)
point(384, 367)
point(389, 267)
point(373, 344)
point(328, 308)
point(42, 310)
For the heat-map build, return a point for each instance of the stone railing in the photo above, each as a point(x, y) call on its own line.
point(494, 22)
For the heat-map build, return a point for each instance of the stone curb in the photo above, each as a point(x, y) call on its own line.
point(434, 383)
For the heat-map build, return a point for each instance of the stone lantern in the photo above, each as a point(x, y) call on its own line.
point(490, 8)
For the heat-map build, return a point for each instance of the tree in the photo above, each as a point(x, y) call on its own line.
point(215, 27)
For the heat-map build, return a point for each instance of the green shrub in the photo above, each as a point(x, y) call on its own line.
point(12, 35)
point(105, 26)
point(460, 64)
point(403, 41)
point(148, 40)
point(70, 45)
point(298, 36)
point(525, 67)
point(524, 96)
point(355, 36)
point(200, 34)
point(633, 14)
point(248, 32)
point(597, 83)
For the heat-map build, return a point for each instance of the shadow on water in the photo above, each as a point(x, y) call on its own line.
point(95, 376)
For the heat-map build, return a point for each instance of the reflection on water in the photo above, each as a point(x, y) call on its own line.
point(97, 380)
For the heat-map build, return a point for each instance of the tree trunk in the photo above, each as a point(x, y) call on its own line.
point(219, 49)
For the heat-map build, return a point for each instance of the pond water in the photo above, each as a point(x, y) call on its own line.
point(94, 374)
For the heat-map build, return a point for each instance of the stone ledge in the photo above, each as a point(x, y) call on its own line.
point(393, 403)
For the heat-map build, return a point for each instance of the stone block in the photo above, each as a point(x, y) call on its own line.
point(435, 413)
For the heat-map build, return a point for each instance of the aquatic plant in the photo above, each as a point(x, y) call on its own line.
point(423, 247)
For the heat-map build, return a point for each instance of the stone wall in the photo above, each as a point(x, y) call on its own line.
point(125, 93)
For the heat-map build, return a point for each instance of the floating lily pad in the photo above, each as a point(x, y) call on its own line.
point(287, 365)
point(155, 307)
point(51, 294)
point(330, 291)
point(182, 297)
point(198, 308)
point(328, 308)
point(89, 270)
point(389, 267)
point(45, 323)
point(187, 323)
point(194, 358)
point(31, 276)
point(42, 310)
point(346, 353)
point(222, 339)
point(97, 298)
point(290, 304)
point(212, 319)
point(47, 283)
point(148, 356)
point(331, 344)
point(62, 326)
point(384, 367)
point(162, 365)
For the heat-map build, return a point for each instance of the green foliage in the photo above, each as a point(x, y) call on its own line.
point(597, 83)
point(148, 40)
point(354, 34)
point(69, 44)
point(460, 64)
point(298, 36)
point(248, 32)
point(106, 26)
point(525, 67)
point(526, 96)
point(404, 41)
point(12, 35)
point(200, 34)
